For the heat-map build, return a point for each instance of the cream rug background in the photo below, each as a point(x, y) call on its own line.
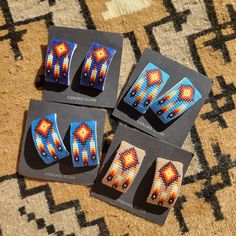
point(201, 34)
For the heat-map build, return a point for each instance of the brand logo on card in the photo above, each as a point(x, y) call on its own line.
point(129, 205)
point(73, 98)
point(150, 128)
point(59, 176)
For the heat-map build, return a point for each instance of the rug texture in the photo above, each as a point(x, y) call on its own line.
point(200, 34)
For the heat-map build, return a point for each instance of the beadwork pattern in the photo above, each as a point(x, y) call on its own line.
point(96, 66)
point(83, 141)
point(176, 101)
point(166, 183)
point(146, 88)
point(58, 60)
point(47, 139)
point(124, 167)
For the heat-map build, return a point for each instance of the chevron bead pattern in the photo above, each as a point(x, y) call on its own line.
point(146, 88)
point(58, 60)
point(47, 139)
point(166, 183)
point(124, 167)
point(83, 141)
point(96, 66)
point(176, 101)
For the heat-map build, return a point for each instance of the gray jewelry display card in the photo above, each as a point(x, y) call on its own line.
point(75, 93)
point(134, 200)
point(174, 132)
point(31, 165)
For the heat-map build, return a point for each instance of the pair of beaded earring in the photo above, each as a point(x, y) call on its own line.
point(95, 68)
point(144, 94)
point(50, 147)
point(125, 166)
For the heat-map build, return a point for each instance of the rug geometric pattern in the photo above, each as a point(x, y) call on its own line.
point(200, 34)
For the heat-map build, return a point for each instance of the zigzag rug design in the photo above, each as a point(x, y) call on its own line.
point(49, 217)
point(193, 33)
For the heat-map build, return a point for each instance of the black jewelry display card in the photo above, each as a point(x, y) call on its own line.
point(174, 132)
point(30, 163)
point(134, 200)
point(75, 93)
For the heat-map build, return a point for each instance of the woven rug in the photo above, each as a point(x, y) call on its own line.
point(200, 34)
